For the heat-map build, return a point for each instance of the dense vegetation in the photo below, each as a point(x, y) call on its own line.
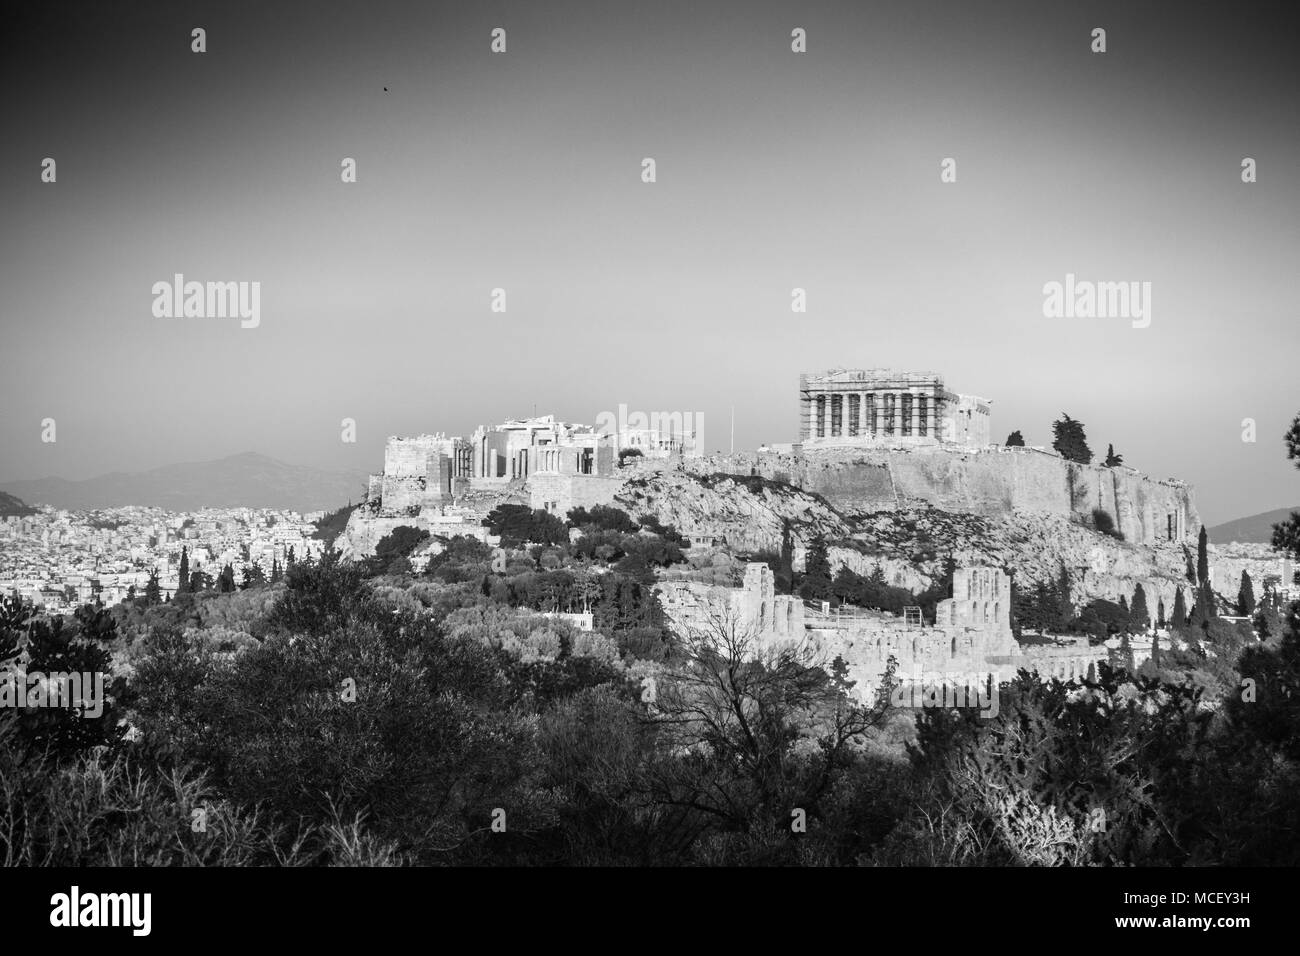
point(445, 713)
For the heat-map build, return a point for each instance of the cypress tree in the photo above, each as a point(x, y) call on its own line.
point(1180, 610)
point(152, 591)
point(1246, 596)
point(183, 572)
point(1138, 612)
point(816, 583)
point(1063, 595)
point(785, 578)
point(1125, 652)
point(1202, 558)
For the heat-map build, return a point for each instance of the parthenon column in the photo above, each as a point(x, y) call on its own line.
point(916, 413)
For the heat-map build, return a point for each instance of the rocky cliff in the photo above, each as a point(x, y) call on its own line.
point(991, 481)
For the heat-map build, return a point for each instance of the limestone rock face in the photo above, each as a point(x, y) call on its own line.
point(910, 543)
point(990, 481)
point(364, 531)
point(749, 513)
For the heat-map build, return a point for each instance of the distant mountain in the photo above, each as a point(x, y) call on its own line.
point(1257, 528)
point(9, 505)
point(248, 480)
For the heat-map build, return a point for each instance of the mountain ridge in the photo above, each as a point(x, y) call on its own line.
point(246, 479)
point(1257, 528)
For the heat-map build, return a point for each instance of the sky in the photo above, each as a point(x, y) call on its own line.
point(522, 170)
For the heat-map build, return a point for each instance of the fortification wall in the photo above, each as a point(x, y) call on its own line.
point(561, 493)
point(989, 481)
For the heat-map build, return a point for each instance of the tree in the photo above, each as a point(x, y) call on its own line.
point(1015, 440)
point(1155, 650)
point(1113, 459)
point(276, 573)
point(1064, 593)
point(1103, 522)
point(741, 706)
point(815, 585)
point(1180, 610)
point(1246, 595)
point(521, 523)
point(183, 572)
point(226, 580)
point(394, 549)
point(1126, 652)
point(1202, 558)
point(785, 576)
point(1205, 609)
point(1138, 610)
point(1069, 440)
point(1160, 612)
point(1286, 534)
point(152, 590)
point(253, 576)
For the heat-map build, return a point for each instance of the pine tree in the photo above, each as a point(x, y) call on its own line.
point(1113, 459)
point(1138, 612)
point(183, 572)
point(1015, 440)
point(1202, 559)
point(1246, 596)
point(1069, 440)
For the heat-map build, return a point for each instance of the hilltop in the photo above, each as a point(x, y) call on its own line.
point(9, 505)
point(1253, 529)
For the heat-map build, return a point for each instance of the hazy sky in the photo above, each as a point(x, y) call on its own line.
point(523, 171)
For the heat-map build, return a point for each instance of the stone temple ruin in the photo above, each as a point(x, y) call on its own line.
point(881, 406)
point(970, 641)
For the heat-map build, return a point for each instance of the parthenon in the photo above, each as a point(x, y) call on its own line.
point(866, 406)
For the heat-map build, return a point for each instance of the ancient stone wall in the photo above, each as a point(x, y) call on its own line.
point(997, 480)
point(562, 493)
